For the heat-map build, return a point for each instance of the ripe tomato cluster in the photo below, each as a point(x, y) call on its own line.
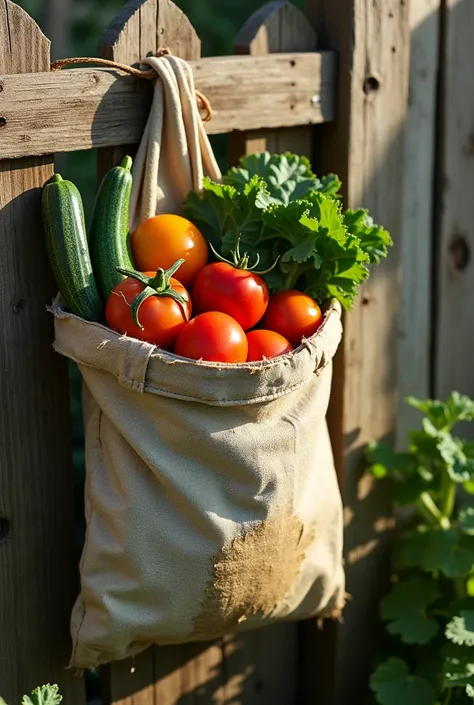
point(221, 312)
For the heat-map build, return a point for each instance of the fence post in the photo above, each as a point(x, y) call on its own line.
point(275, 27)
point(37, 553)
point(454, 206)
point(365, 147)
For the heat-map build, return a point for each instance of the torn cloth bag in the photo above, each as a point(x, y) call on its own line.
point(211, 498)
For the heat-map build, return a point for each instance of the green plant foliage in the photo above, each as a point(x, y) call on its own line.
point(405, 608)
point(430, 609)
point(43, 695)
point(393, 684)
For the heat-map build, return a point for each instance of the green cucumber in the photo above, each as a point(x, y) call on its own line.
point(108, 236)
point(66, 242)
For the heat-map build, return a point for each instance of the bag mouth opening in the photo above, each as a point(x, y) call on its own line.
point(330, 308)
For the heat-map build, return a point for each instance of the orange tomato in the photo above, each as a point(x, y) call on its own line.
point(293, 315)
point(161, 240)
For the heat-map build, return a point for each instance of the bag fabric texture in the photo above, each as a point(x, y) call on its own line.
point(211, 498)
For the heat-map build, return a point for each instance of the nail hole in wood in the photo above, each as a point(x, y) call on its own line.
point(460, 253)
point(371, 84)
point(4, 529)
point(19, 305)
point(292, 107)
point(292, 62)
point(394, 50)
point(365, 300)
point(3, 121)
point(161, 30)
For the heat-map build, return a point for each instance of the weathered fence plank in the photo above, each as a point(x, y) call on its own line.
point(77, 109)
point(415, 350)
point(454, 318)
point(365, 147)
point(37, 558)
point(279, 27)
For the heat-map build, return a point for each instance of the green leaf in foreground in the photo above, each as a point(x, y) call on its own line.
point(393, 684)
point(405, 608)
point(460, 630)
point(44, 695)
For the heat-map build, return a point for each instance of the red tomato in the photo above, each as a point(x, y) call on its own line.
point(161, 316)
point(163, 239)
point(294, 315)
point(266, 344)
point(237, 292)
point(212, 336)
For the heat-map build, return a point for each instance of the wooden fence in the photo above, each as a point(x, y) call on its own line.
point(332, 85)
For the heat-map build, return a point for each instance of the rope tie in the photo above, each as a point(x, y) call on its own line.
point(149, 74)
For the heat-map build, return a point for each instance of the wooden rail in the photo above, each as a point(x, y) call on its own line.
point(68, 110)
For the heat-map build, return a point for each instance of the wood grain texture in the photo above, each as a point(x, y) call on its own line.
point(415, 350)
point(455, 282)
point(279, 27)
point(92, 108)
point(37, 557)
point(365, 147)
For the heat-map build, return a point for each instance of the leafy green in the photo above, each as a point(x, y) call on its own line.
point(405, 608)
point(220, 211)
point(288, 177)
point(393, 684)
point(460, 630)
point(44, 695)
point(276, 208)
point(374, 240)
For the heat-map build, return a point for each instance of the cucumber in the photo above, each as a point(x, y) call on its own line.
point(108, 235)
point(66, 242)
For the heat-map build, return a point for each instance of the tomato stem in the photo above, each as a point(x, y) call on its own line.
point(158, 285)
point(240, 261)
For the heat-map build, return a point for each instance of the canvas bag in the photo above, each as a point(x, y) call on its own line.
point(211, 499)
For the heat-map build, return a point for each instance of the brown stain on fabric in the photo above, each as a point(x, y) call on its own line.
point(253, 574)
